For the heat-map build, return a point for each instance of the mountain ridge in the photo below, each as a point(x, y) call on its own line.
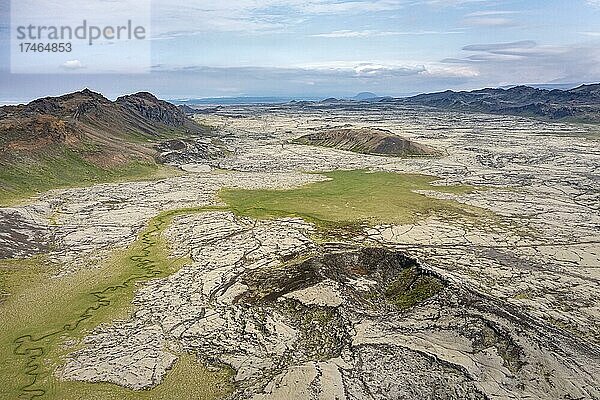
point(580, 104)
point(89, 116)
point(84, 137)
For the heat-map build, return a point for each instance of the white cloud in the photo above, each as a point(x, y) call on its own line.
point(374, 70)
point(256, 16)
point(389, 69)
point(73, 64)
point(490, 21)
point(335, 7)
point(253, 15)
point(451, 72)
point(374, 33)
point(496, 47)
point(490, 13)
point(529, 62)
point(491, 18)
point(328, 78)
point(347, 34)
point(451, 3)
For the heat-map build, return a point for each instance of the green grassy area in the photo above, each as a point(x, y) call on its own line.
point(41, 316)
point(16, 274)
point(157, 136)
point(22, 177)
point(411, 288)
point(351, 197)
point(188, 380)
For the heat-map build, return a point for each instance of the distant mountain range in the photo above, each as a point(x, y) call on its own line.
point(240, 100)
point(548, 86)
point(579, 104)
point(365, 96)
point(552, 101)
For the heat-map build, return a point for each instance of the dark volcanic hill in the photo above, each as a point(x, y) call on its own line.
point(55, 141)
point(90, 118)
point(579, 104)
point(367, 141)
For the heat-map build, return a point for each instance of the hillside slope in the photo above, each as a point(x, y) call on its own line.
point(366, 141)
point(82, 138)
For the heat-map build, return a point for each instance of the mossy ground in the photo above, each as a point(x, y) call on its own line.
point(41, 315)
point(188, 380)
point(26, 176)
point(351, 198)
point(411, 288)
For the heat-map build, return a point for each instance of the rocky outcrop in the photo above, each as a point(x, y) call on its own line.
point(191, 151)
point(153, 109)
point(187, 110)
point(22, 234)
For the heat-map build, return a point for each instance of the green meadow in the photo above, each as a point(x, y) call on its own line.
point(351, 197)
point(27, 176)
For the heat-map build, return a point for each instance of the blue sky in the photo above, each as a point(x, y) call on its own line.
point(341, 47)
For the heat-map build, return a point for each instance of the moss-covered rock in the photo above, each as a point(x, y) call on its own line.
point(411, 287)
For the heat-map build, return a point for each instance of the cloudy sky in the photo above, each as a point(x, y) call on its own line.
point(208, 48)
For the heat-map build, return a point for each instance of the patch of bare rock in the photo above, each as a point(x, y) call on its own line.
point(299, 320)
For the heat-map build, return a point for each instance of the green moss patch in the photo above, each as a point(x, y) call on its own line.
point(350, 197)
point(412, 287)
point(41, 316)
point(24, 176)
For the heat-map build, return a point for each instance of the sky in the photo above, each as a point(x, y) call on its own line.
point(324, 48)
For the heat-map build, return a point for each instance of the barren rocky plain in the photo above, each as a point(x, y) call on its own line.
point(274, 270)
